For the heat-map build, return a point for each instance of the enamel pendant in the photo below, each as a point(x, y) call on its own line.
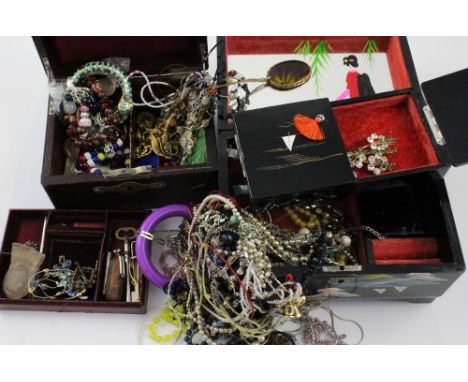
point(289, 141)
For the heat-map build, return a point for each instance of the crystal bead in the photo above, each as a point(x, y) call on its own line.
point(69, 107)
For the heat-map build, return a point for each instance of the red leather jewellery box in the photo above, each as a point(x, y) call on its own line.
point(420, 256)
point(163, 58)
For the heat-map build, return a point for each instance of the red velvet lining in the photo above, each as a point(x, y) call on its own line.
point(350, 210)
point(415, 261)
point(90, 48)
point(392, 117)
point(150, 54)
point(419, 250)
point(396, 62)
point(287, 44)
point(27, 230)
point(340, 44)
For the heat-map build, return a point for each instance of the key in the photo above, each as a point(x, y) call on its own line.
point(126, 234)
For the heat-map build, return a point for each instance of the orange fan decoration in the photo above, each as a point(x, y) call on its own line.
point(309, 127)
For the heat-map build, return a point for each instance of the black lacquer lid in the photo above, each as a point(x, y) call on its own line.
point(447, 97)
point(271, 169)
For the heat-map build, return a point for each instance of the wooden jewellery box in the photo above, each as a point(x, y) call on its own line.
point(92, 207)
point(80, 236)
point(176, 56)
point(420, 256)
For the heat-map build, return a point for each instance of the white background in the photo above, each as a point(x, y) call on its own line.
point(23, 109)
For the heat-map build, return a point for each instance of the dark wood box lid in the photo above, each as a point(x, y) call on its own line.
point(62, 55)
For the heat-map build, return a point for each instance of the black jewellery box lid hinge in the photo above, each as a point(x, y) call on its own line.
point(278, 161)
point(447, 113)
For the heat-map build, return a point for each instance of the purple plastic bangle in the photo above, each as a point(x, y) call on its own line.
point(143, 241)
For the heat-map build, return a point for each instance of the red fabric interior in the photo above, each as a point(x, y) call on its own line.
point(392, 117)
point(350, 209)
point(396, 63)
point(28, 230)
point(287, 44)
point(412, 261)
point(89, 48)
point(339, 44)
point(148, 53)
point(419, 250)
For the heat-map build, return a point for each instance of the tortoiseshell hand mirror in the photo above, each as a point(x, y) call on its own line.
point(288, 75)
point(285, 75)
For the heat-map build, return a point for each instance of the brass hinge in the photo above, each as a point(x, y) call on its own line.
point(434, 126)
point(51, 107)
point(48, 69)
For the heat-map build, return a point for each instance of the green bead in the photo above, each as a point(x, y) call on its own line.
point(234, 219)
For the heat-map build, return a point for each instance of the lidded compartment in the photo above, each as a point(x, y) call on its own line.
point(310, 165)
point(414, 216)
point(166, 59)
point(396, 116)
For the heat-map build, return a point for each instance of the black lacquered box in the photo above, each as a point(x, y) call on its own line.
point(420, 256)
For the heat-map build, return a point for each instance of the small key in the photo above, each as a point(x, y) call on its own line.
point(126, 234)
